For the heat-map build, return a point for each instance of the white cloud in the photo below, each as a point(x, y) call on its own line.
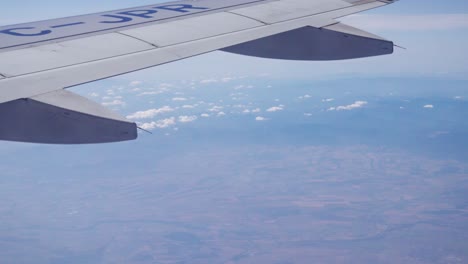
point(135, 83)
point(328, 100)
point(165, 85)
point(215, 109)
point(187, 119)
point(355, 105)
point(242, 86)
point(150, 93)
point(227, 79)
point(256, 110)
point(205, 115)
point(275, 108)
point(148, 126)
point(150, 113)
point(188, 106)
point(307, 114)
point(458, 97)
point(179, 99)
point(429, 22)
point(163, 123)
point(429, 106)
point(207, 81)
point(246, 111)
point(239, 106)
point(261, 118)
point(305, 97)
point(221, 114)
point(114, 103)
point(94, 94)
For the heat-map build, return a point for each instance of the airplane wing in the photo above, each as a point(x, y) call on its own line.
point(38, 61)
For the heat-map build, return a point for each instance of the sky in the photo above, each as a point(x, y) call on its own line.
point(259, 161)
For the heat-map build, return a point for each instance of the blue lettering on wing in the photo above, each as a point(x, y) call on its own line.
point(181, 8)
point(126, 16)
point(139, 13)
point(120, 19)
point(68, 25)
point(25, 32)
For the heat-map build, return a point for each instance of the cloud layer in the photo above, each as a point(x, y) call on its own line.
point(357, 104)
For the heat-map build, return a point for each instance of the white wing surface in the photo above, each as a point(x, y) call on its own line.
point(39, 60)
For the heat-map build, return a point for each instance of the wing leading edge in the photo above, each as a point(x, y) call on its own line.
point(38, 67)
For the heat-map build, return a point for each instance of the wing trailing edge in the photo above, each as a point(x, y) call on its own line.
point(335, 42)
point(62, 117)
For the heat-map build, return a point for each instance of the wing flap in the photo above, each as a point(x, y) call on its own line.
point(334, 42)
point(62, 117)
point(349, 30)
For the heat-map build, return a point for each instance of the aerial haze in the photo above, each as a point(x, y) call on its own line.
point(259, 161)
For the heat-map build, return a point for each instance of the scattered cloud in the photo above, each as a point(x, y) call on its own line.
point(150, 113)
point(94, 94)
point(189, 106)
point(256, 110)
point(355, 105)
point(261, 118)
point(221, 114)
point(304, 97)
point(205, 115)
point(215, 108)
point(163, 123)
point(437, 134)
point(458, 97)
point(135, 83)
point(179, 99)
point(429, 106)
point(165, 85)
point(187, 119)
point(116, 102)
point(328, 100)
point(243, 86)
point(307, 114)
point(207, 81)
point(150, 93)
point(275, 108)
point(227, 79)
